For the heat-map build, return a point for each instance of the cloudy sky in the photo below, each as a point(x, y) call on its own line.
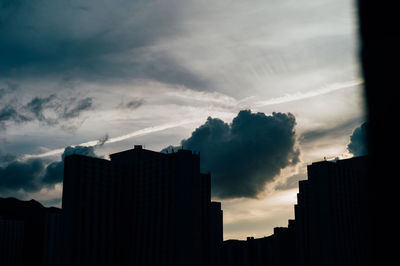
point(265, 86)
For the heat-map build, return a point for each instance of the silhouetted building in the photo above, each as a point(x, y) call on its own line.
point(275, 250)
point(233, 252)
point(330, 229)
point(11, 242)
point(283, 251)
point(301, 210)
point(24, 233)
point(140, 208)
point(53, 239)
point(215, 233)
point(87, 208)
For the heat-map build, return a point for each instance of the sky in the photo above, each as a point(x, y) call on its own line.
point(264, 88)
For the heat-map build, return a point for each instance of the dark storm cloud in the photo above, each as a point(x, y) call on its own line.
point(248, 153)
point(358, 141)
point(6, 158)
point(32, 175)
point(21, 175)
point(92, 40)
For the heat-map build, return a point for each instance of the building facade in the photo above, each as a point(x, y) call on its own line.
point(331, 214)
point(27, 236)
point(139, 208)
point(330, 226)
point(11, 242)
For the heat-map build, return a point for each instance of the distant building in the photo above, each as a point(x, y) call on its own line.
point(275, 250)
point(139, 208)
point(11, 242)
point(53, 239)
point(233, 253)
point(25, 235)
point(330, 226)
point(283, 251)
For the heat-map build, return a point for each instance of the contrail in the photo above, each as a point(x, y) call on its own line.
point(140, 132)
point(304, 95)
point(284, 99)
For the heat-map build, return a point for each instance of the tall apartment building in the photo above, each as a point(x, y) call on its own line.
point(139, 208)
point(331, 224)
point(89, 218)
point(53, 239)
point(216, 234)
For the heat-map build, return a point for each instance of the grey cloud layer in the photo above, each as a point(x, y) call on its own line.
point(91, 40)
point(248, 153)
point(204, 45)
point(9, 113)
point(33, 175)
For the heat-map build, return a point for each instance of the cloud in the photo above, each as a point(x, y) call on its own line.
point(21, 175)
point(33, 174)
point(358, 141)
point(132, 104)
point(87, 42)
point(291, 182)
point(10, 87)
point(37, 107)
point(334, 131)
point(102, 140)
point(6, 158)
point(141, 132)
point(247, 154)
point(10, 113)
point(180, 42)
point(61, 109)
point(75, 110)
point(313, 93)
point(50, 110)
